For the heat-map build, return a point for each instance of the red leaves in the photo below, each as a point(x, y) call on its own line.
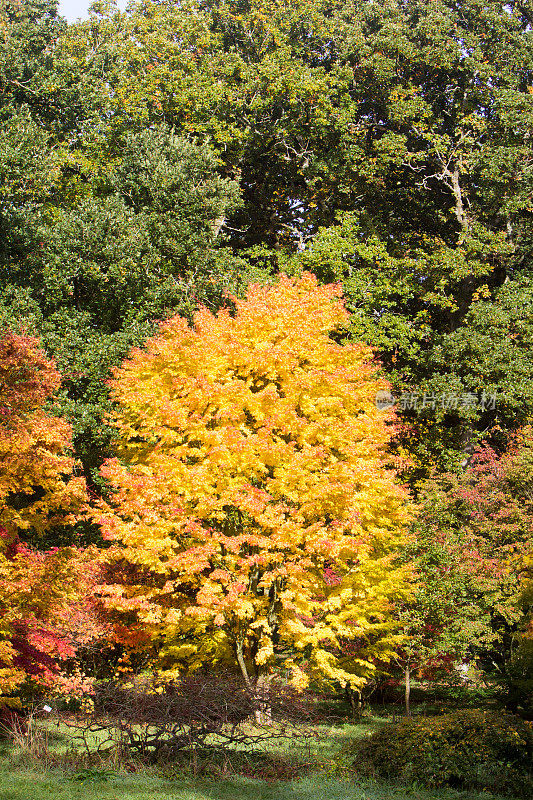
point(38, 597)
point(37, 490)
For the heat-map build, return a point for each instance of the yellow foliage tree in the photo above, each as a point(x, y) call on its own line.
point(254, 515)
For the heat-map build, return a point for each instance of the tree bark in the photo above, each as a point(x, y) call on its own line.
point(259, 692)
point(355, 705)
point(408, 691)
point(242, 664)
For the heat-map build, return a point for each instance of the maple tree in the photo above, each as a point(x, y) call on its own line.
point(37, 484)
point(40, 613)
point(250, 469)
point(471, 553)
point(37, 491)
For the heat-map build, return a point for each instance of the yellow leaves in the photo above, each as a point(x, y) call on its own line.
point(297, 677)
point(265, 652)
point(254, 464)
point(483, 293)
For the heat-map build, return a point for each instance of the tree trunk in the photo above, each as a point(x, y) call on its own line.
point(467, 437)
point(259, 692)
point(355, 704)
point(242, 664)
point(408, 691)
point(263, 712)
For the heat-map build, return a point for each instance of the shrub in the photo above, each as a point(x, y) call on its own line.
point(467, 749)
point(158, 720)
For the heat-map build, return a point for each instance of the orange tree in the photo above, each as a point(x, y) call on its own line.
point(250, 469)
point(37, 485)
point(37, 490)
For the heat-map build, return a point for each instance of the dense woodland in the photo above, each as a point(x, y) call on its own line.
point(226, 228)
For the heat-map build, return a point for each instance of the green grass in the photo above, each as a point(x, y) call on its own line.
point(60, 776)
point(27, 784)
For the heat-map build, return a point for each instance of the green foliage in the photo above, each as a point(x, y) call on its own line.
point(381, 145)
point(102, 232)
point(470, 749)
point(470, 552)
point(388, 139)
point(401, 299)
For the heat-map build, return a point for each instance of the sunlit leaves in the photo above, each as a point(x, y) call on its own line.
point(37, 486)
point(251, 460)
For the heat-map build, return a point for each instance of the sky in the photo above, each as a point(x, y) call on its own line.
point(77, 9)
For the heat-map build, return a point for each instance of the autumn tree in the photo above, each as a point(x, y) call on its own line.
point(37, 490)
point(41, 607)
point(471, 552)
point(250, 465)
point(37, 484)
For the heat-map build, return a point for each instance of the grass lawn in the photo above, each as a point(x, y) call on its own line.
point(26, 784)
point(24, 777)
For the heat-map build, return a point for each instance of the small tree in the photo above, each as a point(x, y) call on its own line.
point(441, 619)
point(470, 550)
point(250, 466)
point(37, 490)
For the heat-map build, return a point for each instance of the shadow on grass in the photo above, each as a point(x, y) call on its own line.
point(6, 748)
point(36, 787)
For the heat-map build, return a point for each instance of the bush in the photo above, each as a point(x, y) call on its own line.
point(157, 720)
point(467, 749)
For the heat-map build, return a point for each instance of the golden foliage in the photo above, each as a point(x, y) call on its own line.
point(252, 504)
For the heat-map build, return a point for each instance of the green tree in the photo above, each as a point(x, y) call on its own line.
point(101, 235)
point(100, 270)
point(410, 120)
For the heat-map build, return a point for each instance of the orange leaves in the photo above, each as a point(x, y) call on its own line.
point(37, 489)
point(42, 618)
point(27, 378)
point(36, 483)
point(251, 461)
